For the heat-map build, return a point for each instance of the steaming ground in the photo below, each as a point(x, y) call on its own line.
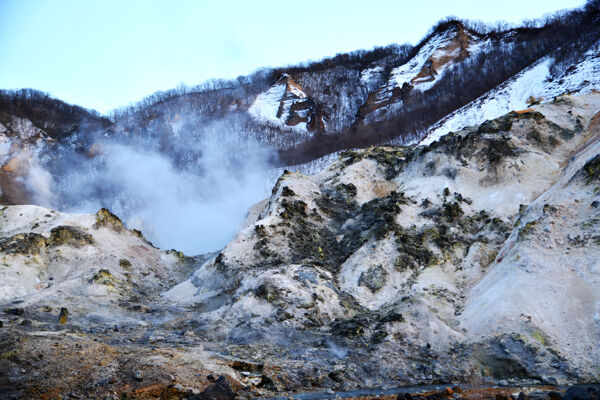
point(191, 195)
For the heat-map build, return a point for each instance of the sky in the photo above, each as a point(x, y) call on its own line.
point(104, 54)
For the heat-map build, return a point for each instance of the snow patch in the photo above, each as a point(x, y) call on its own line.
point(514, 94)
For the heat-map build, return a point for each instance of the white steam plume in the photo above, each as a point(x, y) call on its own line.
point(196, 206)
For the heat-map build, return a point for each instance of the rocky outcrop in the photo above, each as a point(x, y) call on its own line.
point(286, 104)
point(473, 259)
point(442, 50)
point(455, 248)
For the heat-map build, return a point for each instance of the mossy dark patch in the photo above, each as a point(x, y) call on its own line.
point(268, 257)
point(392, 158)
point(454, 229)
point(374, 278)
point(527, 229)
point(268, 292)
point(312, 243)
point(564, 133)
point(475, 223)
point(350, 157)
point(363, 322)
point(338, 203)
point(505, 122)
point(502, 124)
point(487, 144)
point(104, 277)
point(535, 137)
point(459, 197)
point(181, 257)
point(498, 149)
point(104, 218)
point(553, 141)
point(287, 192)
point(352, 328)
point(426, 203)
point(124, 263)
point(69, 236)
point(451, 212)
point(138, 233)
point(292, 209)
point(413, 249)
point(374, 220)
point(23, 243)
point(260, 230)
point(591, 169)
point(347, 189)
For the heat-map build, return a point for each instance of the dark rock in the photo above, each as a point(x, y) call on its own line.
point(337, 376)
point(23, 243)
point(14, 311)
point(350, 328)
point(293, 209)
point(581, 392)
point(267, 291)
point(69, 236)
point(221, 390)
point(374, 278)
point(26, 322)
point(104, 218)
point(555, 396)
point(138, 375)
point(591, 170)
point(104, 277)
point(287, 192)
point(62, 317)
point(595, 203)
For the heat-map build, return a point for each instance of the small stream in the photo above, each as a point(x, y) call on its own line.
point(360, 392)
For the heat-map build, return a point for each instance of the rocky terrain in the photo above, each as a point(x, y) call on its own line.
point(474, 259)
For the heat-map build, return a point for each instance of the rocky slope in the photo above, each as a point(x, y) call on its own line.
point(474, 257)
point(441, 51)
point(286, 105)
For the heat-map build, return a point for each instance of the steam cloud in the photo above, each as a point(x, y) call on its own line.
point(191, 193)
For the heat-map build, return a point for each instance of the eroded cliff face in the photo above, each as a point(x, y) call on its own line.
point(441, 51)
point(476, 255)
point(286, 105)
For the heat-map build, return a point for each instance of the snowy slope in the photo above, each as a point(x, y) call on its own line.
point(423, 70)
point(514, 94)
point(274, 107)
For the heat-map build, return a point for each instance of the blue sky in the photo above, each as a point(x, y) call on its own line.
point(105, 54)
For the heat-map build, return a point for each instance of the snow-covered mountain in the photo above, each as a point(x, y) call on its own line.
point(398, 94)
